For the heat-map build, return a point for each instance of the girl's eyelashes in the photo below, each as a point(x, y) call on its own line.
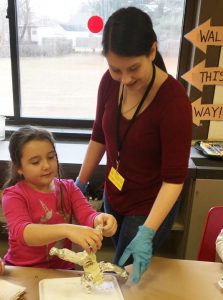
point(52, 156)
point(34, 162)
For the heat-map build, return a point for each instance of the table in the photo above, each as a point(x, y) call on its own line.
point(165, 279)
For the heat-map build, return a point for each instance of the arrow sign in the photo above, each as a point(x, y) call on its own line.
point(204, 112)
point(205, 35)
point(200, 75)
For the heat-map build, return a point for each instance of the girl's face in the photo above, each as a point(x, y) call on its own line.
point(38, 164)
point(135, 72)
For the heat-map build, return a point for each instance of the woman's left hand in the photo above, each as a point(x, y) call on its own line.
point(108, 223)
point(141, 250)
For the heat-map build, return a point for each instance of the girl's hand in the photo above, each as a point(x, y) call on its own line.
point(88, 238)
point(108, 222)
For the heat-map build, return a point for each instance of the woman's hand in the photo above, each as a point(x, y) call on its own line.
point(88, 238)
point(108, 223)
point(141, 250)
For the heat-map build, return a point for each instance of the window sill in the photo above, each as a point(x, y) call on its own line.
point(59, 133)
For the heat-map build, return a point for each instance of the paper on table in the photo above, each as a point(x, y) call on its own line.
point(71, 288)
point(10, 291)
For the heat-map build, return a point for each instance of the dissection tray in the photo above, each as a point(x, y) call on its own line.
point(71, 288)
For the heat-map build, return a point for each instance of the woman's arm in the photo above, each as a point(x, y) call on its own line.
point(165, 200)
point(94, 154)
point(96, 146)
point(141, 246)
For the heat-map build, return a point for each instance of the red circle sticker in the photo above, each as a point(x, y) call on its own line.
point(95, 24)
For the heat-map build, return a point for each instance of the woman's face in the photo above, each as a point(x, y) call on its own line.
point(134, 72)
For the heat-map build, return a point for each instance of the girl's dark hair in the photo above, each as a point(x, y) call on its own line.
point(129, 32)
point(17, 141)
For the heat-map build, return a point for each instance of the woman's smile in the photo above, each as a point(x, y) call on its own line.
point(131, 84)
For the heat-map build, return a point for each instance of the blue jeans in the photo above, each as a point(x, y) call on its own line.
point(128, 227)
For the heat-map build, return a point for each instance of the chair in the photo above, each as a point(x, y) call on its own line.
point(213, 226)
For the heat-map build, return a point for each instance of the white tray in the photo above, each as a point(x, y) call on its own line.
point(70, 288)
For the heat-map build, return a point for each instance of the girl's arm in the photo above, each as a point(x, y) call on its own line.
point(40, 235)
point(165, 200)
point(23, 229)
point(94, 154)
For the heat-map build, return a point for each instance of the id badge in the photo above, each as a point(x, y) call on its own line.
point(116, 178)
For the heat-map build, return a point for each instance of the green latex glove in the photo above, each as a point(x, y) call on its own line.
point(81, 186)
point(141, 250)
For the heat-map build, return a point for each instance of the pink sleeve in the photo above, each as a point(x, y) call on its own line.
point(16, 214)
point(82, 210)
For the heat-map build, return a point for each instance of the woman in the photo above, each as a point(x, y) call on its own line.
point(143, 123)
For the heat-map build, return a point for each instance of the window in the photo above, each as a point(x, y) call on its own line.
point(57, 62)
point(6, 107)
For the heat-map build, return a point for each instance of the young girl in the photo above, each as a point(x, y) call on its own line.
point(39, 208)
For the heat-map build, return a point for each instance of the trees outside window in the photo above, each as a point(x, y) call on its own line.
point(59, 59)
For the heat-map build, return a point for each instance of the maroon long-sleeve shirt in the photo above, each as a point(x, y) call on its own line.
point(155, 150)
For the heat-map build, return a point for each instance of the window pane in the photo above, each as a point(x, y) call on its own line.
point(60, 59)
point(6, 107)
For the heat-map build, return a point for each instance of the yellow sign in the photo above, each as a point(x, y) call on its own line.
point(205, 35)
point(201, 75)
point(210, 112)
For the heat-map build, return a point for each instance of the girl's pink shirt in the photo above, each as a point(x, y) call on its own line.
point(22, 206)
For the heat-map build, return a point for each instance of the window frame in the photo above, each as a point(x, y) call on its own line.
point(184, 60)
